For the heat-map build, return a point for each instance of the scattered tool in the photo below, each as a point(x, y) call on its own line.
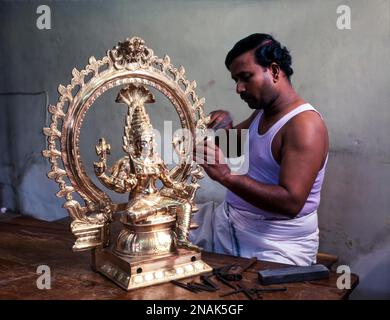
point(184, 286)
point(220, 278)
point(226, 274)
point(201, 287)
point(235, 272)
point(238, 290)
point(194, 287)
point(223, 270)
point(206, 279)
point(245, 290)
point(248, 292)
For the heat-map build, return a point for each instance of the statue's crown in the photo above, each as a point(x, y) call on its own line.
point(138, 123)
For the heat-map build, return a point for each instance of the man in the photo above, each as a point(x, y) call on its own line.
point(271, 211)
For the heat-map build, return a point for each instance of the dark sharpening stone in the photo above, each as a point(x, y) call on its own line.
point(293, 274)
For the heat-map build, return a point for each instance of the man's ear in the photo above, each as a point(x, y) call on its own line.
point(275, 72)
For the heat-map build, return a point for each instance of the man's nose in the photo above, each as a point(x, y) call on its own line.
point(240, 87)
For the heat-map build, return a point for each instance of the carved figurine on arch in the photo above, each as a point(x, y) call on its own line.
point(138, 173)
point(153, 245)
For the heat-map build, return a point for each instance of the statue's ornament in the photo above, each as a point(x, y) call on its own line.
point(152, 246)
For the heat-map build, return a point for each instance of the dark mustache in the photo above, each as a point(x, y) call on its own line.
point(245, 96)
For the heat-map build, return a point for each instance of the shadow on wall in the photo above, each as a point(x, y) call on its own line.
point(36, 195)
point(22, 141)
point(373, 270)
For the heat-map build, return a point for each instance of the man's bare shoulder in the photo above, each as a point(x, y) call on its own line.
point(306, 129)
point(306, 122)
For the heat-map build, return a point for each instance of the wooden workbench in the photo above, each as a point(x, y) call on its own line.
point(26, 243)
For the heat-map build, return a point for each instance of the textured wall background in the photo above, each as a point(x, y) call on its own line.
point(345, 74)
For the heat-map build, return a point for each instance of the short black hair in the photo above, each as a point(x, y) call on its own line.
point(268, 50)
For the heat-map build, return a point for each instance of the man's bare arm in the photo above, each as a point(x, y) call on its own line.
point(219, 117)
point(303, 152)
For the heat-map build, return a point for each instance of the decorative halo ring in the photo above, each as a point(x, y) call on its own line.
point(128, 62)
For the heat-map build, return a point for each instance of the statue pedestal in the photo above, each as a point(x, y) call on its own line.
point(137, 272)
point(145, 254)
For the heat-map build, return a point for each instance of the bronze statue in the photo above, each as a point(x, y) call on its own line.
point(152, 246)
point(138, 172)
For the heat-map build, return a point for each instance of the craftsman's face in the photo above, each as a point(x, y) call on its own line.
point(253, 82)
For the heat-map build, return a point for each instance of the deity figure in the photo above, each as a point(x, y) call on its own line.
point(138, 172)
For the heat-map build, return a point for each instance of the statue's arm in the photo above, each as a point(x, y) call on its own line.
point(178, 189)
point(119, 177)
point(168, 181)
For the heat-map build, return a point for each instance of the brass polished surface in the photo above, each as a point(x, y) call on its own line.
point(155, 221)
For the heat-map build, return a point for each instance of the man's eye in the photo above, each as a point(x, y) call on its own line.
point(243, 77)
point(246, 77)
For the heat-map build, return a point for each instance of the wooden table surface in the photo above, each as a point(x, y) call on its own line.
point(26, 243)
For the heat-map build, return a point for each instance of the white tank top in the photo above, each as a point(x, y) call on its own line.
point(264, 168)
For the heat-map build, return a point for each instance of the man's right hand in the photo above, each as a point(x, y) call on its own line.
point(220, 119)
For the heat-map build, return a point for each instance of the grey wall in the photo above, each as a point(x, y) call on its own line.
point(345, 74)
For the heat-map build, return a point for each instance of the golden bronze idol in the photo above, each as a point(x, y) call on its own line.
point(152, 246)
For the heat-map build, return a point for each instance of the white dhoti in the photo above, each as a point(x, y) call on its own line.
point(227, 230)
